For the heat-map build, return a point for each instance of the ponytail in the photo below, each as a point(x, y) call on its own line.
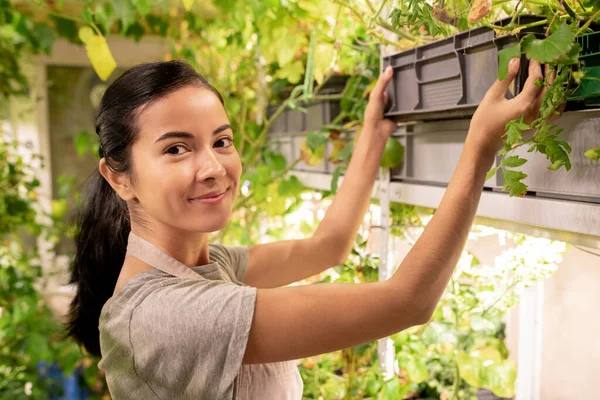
point(101, 243)
point(104, 222)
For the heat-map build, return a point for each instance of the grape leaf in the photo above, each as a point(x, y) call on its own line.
point(551, 48)
point(505, 55)
point(512, 182)
point(572, 57)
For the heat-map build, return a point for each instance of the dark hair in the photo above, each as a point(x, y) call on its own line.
point(104, 221)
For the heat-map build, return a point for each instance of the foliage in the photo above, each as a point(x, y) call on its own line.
point(461, 348)
point(19, 35)
point(29, 333)
point(352, 373)
point(557, 49)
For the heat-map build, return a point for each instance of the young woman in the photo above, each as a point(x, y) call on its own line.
point(174, 317)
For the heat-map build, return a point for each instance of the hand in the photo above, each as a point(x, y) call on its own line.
point(495, 111)
point(374, 120)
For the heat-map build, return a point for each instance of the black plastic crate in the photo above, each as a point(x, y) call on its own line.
point(318, 113)
point(449, 77)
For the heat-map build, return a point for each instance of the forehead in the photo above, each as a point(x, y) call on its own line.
point(190, 109)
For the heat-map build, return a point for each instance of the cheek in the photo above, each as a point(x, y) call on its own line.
point(235, 168)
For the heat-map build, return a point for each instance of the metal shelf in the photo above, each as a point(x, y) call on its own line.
point(571, 221)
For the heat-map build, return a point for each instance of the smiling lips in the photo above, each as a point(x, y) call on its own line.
point(210, 198)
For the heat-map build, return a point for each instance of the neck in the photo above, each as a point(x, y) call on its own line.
point(189, 248)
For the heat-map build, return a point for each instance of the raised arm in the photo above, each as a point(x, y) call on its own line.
point(295, 322)
point(280, 263)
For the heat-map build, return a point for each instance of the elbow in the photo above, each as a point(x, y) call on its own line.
point(423, 317)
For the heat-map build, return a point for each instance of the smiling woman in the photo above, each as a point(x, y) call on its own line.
point(174, 317)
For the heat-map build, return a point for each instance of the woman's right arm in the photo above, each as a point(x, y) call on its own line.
point(301, 321)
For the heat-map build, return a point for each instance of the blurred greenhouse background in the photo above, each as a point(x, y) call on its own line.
point(516, 320)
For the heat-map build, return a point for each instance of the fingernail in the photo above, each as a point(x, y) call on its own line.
point(388, 69)
point(513, 61)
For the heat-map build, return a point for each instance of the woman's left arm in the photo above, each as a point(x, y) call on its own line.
point(281, 263)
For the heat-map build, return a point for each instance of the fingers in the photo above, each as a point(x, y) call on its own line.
point(382, 82)
point(530, 91)
point(499, 88)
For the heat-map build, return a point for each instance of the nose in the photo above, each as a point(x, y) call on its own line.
point(209, 166)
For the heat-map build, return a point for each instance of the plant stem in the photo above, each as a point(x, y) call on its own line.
point(510, 28)
point(550, 24)
point(588, 23)
point(517, 13)
point(380, 9)
point(509, 287)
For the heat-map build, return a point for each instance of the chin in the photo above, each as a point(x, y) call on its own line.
point(212, 224)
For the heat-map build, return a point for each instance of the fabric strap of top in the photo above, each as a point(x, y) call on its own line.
point(152, 255)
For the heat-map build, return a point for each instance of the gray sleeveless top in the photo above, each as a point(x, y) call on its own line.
point(181, 333)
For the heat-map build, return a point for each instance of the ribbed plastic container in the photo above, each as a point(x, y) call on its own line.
point(433, 148)
point(449, 77)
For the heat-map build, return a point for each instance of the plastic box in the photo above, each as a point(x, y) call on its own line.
point(433, 150)
point(448, 78)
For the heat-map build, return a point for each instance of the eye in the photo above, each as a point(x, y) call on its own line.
point(176, 150)
point(224, 142)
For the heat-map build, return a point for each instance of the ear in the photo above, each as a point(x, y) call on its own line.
point(120, 182)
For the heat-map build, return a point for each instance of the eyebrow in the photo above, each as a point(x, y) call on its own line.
point(187, 135)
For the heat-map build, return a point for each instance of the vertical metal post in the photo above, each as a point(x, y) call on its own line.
point(529, 361)
point(385, 346)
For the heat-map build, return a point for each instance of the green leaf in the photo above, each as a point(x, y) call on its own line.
point(593, 154)
point(45, 36)
point(504, 57)
point(514, 131)
point(346, 153)
point(309, 76)
point(394, 389)
point(37, 347)
point(513, 161)
point(82, 143)
point(143, 7)
point(500, 378)
point(65, 28)
point(417, 370)
point(482, 325)
point(491, 173)
point(572, 57)
point(512, 182)
point(550, 49)
point(125, 12)
point(86, 15)
point(315, 139)
point(263, 173)
point(439, 332)
point(291, 187)
point(393, 154)
point(335, 178)
point(277, 162)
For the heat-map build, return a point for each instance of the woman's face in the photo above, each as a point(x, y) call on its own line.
point(186, 169)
